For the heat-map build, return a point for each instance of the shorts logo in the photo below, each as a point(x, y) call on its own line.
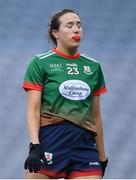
point(74, 90)
point(48, 157)
point(94, 164)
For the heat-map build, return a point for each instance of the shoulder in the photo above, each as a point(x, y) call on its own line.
point(42, 58)
point(44, 55)
point(89, 59)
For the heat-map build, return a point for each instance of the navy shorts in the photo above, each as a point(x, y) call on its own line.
point(70, 151)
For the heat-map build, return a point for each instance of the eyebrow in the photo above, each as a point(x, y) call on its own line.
point(71, 22)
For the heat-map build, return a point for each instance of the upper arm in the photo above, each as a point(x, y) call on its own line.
point(34, 101)
point(96, 107)
point(34, 76)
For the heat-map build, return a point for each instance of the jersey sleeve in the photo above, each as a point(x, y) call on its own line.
point(100, 87)
point(34, 76)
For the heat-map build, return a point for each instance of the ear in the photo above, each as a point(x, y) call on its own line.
point(55, 33)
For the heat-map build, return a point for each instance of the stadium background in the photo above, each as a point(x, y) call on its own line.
point(109, 36)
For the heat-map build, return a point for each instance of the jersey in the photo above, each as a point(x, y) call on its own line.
point(68, 84)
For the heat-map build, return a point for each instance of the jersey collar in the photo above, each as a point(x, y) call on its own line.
point(66, 56)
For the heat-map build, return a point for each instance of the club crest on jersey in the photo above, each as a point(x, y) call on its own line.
point(87, 70)
point(48, 157)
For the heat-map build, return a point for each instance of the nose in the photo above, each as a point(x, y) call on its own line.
point(76, 29)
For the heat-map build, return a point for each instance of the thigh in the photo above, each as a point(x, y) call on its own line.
point(85, 159)
point(84, 168)
point(88, 177)
point(35, 176)
point(55, 143)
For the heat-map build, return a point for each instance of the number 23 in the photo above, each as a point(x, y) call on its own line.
point(72, 70)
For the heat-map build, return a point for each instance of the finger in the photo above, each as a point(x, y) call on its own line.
point(43, 159)
point(30, 168)
point(27, 171)
point(25, 165)
point(39, 165)
point(35, 168)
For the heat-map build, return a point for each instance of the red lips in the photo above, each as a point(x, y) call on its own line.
point(76, 38)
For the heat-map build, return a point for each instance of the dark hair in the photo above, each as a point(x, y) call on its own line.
point(54, 23)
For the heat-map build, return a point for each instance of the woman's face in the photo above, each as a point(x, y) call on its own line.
point(69, 33)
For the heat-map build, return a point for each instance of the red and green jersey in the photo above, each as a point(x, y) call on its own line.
point(68, 84)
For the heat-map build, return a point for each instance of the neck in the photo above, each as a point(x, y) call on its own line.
point(68, 51)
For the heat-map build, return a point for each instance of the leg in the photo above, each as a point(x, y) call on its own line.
point(35, 176)
point(88, 177)
point(86, 159)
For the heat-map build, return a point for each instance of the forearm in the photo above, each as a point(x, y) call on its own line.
point(33, 129)
point(33, 115)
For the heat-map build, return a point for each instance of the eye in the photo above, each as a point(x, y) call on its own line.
point(69, 25)
point(79, 24)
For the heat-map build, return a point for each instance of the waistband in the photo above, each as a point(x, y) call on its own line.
point(50, 121)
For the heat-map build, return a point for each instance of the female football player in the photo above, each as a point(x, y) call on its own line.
point(64, 119)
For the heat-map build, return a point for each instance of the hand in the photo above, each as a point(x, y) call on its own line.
point(35, 159)
point(104, 165)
